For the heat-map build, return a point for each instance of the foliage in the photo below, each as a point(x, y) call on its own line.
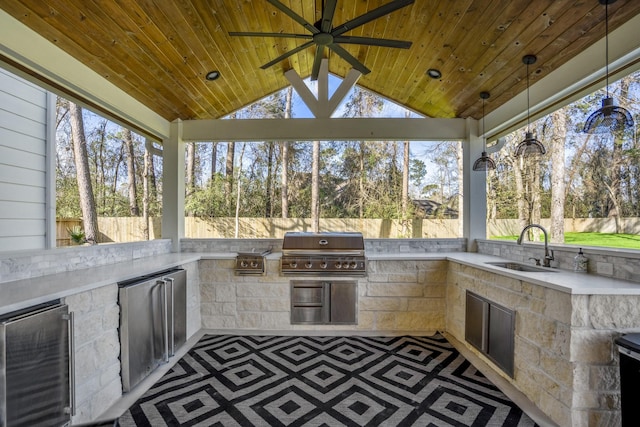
point(611, 240)
point(363, 179)
point(76, 233)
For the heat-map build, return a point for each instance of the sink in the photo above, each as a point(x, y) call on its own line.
point(522, 267)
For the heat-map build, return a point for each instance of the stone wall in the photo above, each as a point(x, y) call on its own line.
point(565, 358)
point(98, 384)
point(607, 262)
point(372, 246)
point(396, 296)
point(194, 320)
point(28, 264)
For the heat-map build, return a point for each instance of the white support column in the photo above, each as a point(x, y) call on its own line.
point(474, 189)
point(173, 186)
point(50, 174)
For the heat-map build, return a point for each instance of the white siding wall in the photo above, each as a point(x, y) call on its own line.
point(23, 164)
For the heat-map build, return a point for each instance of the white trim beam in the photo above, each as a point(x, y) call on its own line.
point(326, 129)
point(323, 107)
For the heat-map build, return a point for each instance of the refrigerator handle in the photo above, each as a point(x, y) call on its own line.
point(171, 332)
point(165, 319)
point(70, 318)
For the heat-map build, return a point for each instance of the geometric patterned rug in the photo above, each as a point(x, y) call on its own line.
point(231, 380)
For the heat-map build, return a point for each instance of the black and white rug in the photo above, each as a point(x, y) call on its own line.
point(243, 381)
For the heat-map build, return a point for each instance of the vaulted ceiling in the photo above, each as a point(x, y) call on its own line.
point(159, 51)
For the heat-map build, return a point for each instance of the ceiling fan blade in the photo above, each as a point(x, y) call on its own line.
point(284, 35)
point(369, 41)
point(349, 58)
point(327, 15)
point(291, 14)
point(370, 16)
point(287, 54)
point(316, 62)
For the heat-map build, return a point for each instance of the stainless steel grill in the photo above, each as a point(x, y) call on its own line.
point(337, 253)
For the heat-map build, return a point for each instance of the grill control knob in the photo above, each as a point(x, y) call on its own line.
point(323, 264)
point(345, 265)
point(309, 264)
point(353, 264)
point(293, 264)
point(338, 264)
point(244, 264)
point(254, 264)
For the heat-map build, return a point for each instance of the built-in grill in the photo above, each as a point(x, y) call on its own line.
point(337, 253)
point(251, 262)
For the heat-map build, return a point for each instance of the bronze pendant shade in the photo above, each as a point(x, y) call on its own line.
point(529, 146)
point(609, 118)
point(484, 162)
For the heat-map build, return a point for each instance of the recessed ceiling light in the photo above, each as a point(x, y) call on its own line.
point(433, 73)
point(212, 75)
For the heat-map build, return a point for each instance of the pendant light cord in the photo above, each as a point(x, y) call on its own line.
point(528, 107)
point(606, 43)
point(484, 137)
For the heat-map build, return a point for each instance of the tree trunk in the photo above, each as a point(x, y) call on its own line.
point(559, 120)
point(134, 210)
point(361, 180)
point(228, 184)
point(285, 157)
point(87, 201)
point(315, 187)
point(214, 159)
point(145, 192)
point(237, 216)
point(268, 208)
point(523, 214)
point(405, 191)
point(191, 167)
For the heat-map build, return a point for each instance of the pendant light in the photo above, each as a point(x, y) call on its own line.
point(484, 162)
point(609, 118)
point(529, 146)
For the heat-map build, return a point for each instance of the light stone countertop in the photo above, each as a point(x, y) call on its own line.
point(561, 280)
point(20, 294)
point(25, 293)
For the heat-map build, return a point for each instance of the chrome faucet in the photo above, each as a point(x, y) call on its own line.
point(548, 253)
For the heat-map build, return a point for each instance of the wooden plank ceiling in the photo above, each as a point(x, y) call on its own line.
point(159, 51)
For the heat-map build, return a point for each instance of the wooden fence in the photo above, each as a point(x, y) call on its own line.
point(131, 229)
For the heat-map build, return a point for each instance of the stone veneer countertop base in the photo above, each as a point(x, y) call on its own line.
point(24, 293)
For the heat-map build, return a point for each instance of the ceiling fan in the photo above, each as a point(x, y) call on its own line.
point(324, 34)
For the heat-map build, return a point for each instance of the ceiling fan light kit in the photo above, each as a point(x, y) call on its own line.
point(609, 118)
point(485, 162)
point(529, 146)
point(324, 34)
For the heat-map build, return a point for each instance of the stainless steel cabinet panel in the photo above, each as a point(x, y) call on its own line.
point(490, 328)
point(153, 323)
point(475, 326)
point(343, 303)
point(500, 339)
point(34, 368)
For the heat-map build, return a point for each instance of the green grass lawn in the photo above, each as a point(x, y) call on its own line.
point(610, 240)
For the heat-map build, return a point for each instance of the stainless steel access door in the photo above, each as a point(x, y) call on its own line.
point(177, 305)
point(143, 328)
point(34, 368)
